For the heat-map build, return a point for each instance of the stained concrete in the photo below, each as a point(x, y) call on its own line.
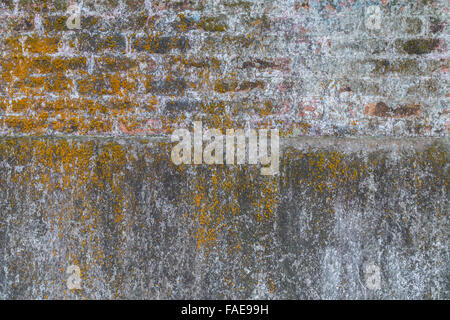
point(140, 227)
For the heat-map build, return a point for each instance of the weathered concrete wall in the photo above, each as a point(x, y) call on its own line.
point(140, 227)
point(86, 177)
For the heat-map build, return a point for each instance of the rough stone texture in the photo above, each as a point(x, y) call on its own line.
point(86, 178)
point(140, 227)
point(150, 66)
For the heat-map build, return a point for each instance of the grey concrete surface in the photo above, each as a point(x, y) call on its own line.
point(139, 227)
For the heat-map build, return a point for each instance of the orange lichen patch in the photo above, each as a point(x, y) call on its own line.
point(151, 103)
point(22, 74)
point(42, 64)
point(325, 171)
point(58, 164)
point(121, 86)
point(3, 104)
point(15, 67)
point(223, 86)
point(99, 125)
point(20, 123)
point(82, 105)
point(212, 24)
point(13, 45)
point(63, 122)
point(21, 105)
point(60, 104)
point(100, 84)
point(58, 83)
point(71, 115)
point(41, 45)
point(216, 202)
point(184, 23)
point(169, 124)
point(116, 63)
point(66, 64)
point(217, 117)
point(55, 23)
point(85, 86)
point(110, 42)
point(128, 124)
point(156, 43)
point(266, 109)
point(210, 210)
point(120, 106)
point(304, 127)
point(267, 202)
point(66, 115)
point(29, 86)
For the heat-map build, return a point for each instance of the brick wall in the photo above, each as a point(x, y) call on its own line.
point(308, 67)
